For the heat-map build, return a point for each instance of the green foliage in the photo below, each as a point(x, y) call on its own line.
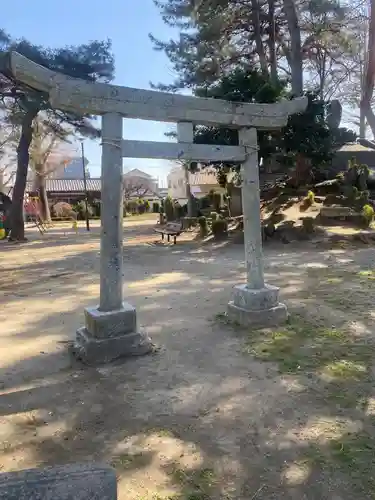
point(306, 134)
point(189, 222)
point(356, 175)
point(219, 228)
point(215, 200)
point(169, 209)
point(311, 197)
point(242, 85)
point(80, 209)
point(334, 113)
point(179, 210)
point(308, 224)
point(92, 61)
point(203, 226)
point(131, 206)
point(96, 207)
point(142, 205)
point(204, 203)
point(368, 214)
point(155, 207)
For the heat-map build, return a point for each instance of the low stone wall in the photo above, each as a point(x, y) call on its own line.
point(71, 482)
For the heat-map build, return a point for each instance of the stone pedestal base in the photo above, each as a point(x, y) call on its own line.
point(110, 335)
point(258, 308)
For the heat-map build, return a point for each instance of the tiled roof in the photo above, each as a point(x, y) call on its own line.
point(68, 185)
point(355, 148)
point(76, 186)
point(135, 172)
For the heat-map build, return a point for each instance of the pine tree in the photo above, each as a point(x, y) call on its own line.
point(93, 61)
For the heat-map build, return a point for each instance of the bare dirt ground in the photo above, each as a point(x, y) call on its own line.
point(218, 412)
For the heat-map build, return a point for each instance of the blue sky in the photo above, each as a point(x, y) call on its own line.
point(127, 23)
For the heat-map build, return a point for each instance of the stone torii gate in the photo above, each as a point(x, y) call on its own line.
point(110, 329)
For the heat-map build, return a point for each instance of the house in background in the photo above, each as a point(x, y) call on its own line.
point(68, 190)
point(201, 183)
point(363, 155)
point(137, 184)
point(140, 184)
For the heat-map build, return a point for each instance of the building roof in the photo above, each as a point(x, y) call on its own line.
point(354, 148)
point(68, 185)
point(76, 186)
point(135, 172)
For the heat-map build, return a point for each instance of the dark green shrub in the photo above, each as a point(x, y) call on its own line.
point(189, 222)
point(308, 224)
point(204, 203)
point(80, 208)
point(142, 206)
point(215, 200)
point(179, 210)
point(96, 207)
point(220, 228)
point(169, 209)
point(203, 227)
point(155, 207)
point(131, 206)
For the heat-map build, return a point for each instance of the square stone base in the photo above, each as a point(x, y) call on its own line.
point(257, 308)
point(108, 335)
point(94, 351)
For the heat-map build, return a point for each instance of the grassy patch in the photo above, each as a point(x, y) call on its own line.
point(195, 484)
point(126, 461)
point(161, 432)
point(304, 346)
point(353, 455)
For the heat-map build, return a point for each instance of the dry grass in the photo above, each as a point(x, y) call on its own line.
point(335, 366)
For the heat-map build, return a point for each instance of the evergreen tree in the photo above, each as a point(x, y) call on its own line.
point(93, 62)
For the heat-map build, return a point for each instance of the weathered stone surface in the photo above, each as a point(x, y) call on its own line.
point(336, 211)
point(255, 299)
point(102, 324)
point(258, 319)
point(94, 351)
point(259, 308)
point(71, 482)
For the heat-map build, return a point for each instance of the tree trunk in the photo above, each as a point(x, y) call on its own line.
point(295, 47)
point(370, 117)
point(44, 207)
point(16, 215)
point(258, 37)
point(272, 41)
point(190, 204)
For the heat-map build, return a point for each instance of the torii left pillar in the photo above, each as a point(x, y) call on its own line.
point(111, 329)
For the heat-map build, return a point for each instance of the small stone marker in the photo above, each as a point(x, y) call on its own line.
point(70, 482)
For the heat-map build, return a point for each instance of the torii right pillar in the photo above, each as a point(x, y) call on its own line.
point(255, 304)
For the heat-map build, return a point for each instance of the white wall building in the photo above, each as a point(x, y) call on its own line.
point(138, 183)
point(201, 183)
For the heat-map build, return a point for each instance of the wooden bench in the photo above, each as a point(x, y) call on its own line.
point(170, 229)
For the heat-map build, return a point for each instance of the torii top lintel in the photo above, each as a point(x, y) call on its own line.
point(84, 97)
